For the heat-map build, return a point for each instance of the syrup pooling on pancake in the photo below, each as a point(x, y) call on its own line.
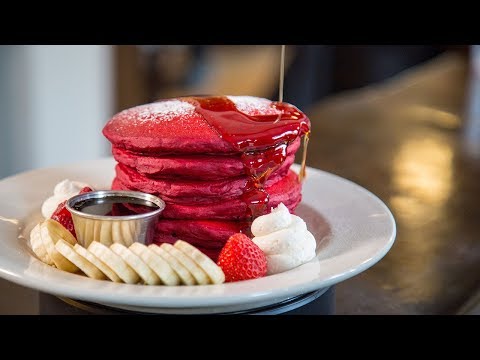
point(262, 139)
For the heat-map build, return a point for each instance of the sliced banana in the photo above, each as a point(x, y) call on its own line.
point(200, 276)
point(185, 275)
point(107, 270)
point(137, 264)
point(36, 243)
point(82, 263)
point(59, 230)
point(214, 272)
point(51, 231)
point(156, 263)
point(115, 262)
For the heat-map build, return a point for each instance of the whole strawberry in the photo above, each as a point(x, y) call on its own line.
point(63, 216)
point(242, 259)
point(84, 190)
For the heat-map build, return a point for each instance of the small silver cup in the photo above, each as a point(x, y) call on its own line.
point(106, 229)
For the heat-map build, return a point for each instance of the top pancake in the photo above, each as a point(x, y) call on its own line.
point(174, 126)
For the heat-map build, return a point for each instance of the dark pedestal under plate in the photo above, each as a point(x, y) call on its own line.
point(320, 302)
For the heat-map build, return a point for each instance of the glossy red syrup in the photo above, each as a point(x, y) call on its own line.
point(262, 139)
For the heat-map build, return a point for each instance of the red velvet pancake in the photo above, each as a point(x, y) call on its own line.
point(208, 235)
point(188, 189)
point(196, 154)
point(286, 190)
point(200, 167)
point(174, 126)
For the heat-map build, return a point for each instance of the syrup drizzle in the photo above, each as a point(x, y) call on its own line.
point(303, 173)
point(282, 74)
point(262, 139)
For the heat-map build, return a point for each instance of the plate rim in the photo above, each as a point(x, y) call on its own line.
point(224, 299)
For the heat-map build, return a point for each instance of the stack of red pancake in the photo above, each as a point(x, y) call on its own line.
point(217, 162)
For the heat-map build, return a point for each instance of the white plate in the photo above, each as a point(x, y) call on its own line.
point(353, 228)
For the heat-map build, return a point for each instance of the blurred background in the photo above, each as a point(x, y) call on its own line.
point(402, 121)
point(54, 100)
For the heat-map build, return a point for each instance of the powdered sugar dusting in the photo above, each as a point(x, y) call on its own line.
point(168, 110)
point(251, 105)
point(159, 111)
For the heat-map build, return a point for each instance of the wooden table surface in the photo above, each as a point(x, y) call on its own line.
point(406, 141)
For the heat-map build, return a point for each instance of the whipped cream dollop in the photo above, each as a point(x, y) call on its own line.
point(284, 239)
point(64, 190)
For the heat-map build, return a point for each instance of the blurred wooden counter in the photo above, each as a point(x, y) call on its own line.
point(405, 141)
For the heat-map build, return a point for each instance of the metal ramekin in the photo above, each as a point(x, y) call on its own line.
point(114, 229)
